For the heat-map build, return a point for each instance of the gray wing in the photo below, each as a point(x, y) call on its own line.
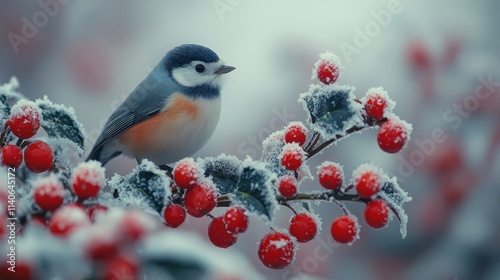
point(145, 101)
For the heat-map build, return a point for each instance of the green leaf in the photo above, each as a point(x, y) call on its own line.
point(146, 187)
point(60, 121)
point(395, 196)
point(255, 190)
point(4, 108)
point(332, 109)
point(225, 172)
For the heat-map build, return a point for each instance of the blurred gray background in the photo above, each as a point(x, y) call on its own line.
point(429, 55)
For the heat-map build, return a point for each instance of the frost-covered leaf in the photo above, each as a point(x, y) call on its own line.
point(395, 196)
point(332, 109)
point(224, 170)
point(60, 121)
point(255, 189)
point(272, 147)
point(8, 95)
point(146, 187)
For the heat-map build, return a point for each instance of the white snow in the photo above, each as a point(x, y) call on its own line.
point(91, 172)
point(26, 108)
point(55, 187)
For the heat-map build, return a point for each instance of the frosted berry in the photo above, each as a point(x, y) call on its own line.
point(24, 119)
point(38, 157)
point(375, 106)
point(11, 155)
point(200, 199)
point(287, 186)
point(392, 136)
point(48, 193)
point(344, 229)
point(236, 220)
point(23, 271)
point(68, 218)
point(330, 175)
point(186, 173)
point(218, 234)
point(303, 227)
point(327, 69)
point(174, 215)
point(367, 180)
point(276, 250)
point(87, 180)
point(296, 133)
point(96, 210)
point(137, 224)
point(121, 267)
point(101, 246)
point(292, 156)
point(377, 213)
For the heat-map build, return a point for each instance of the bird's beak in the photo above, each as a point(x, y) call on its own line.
point(225, 69)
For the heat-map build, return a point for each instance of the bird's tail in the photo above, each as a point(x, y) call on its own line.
point(97, 154)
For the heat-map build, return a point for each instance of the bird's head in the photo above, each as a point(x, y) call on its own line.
point(194, 65)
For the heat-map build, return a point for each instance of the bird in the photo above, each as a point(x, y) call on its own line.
point(171, 114)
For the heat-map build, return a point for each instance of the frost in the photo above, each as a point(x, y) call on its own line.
point(255, 191)
point(407, 126)
point(391, 104)
point(189, 168)
point(292, 149)
point(271, 149)
point(395, 197)
point(338, 170)
point(25, 108)
point(51, 180)
point(331, 109)
point(60, 121)
point(146, 187)
point(224, 170)
point(331, 59)
point(91, 171)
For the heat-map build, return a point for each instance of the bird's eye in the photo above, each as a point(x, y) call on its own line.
point(199, 68)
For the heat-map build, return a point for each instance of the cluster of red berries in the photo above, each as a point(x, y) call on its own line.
point(200, 198)
point(24, 123)
point(293, 155)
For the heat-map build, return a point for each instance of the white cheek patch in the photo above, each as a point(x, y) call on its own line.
point(188, 77)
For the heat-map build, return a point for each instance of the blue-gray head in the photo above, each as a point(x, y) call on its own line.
point(195, 67)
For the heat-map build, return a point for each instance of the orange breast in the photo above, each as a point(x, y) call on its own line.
point(147, 135)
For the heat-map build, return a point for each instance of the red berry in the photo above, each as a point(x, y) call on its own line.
point(96, 210)
point(48, 193)
point(11, 156)
point(276, 250)
point(236, 220)
point(344, 229)
point(296, 133)
point(24, 119)
point(377, 213)
point(137, 224)
point(303, 227)
point(287, 186)
point(331, 175)
point(121, 267)
point(419, 56)
point(200, 199)
point(174, 215)
point(392, 136)
point(68, 218)
point(186, 173)
point(101, 246)
point(327, 69)
point(87, 180)
point(377, 103)
point(367, 180)
point(38, 157)
point(218, 234)
point(23, 271)
point(292, 156)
